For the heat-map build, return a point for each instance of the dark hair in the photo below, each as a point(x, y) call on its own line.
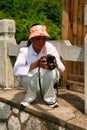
point(29, 42)
point(35, 24)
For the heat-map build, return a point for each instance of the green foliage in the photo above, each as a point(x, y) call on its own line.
point(28, 12)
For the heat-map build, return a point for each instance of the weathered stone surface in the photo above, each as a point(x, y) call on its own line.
point(7, 37)
point(70, 103)
point(15, 110)
point(33, 124)
point(23, 116)
point(85, 15)
point(4, 110)
point(13, 123)
point(68, 116)
point(51, 126)
point(85, 72)
point(7, 25)
point(3, 126)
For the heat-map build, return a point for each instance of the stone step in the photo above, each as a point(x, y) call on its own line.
point(68, 116)
point(75, 86)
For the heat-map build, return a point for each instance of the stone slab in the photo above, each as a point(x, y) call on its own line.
point(65, 49)
point(70, 112)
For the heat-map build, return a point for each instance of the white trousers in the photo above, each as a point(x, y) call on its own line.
point(31, 85)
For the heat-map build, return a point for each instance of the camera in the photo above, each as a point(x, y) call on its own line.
point(51, 60)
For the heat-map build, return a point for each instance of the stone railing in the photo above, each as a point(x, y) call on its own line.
point(7, 37)
point(9, 50)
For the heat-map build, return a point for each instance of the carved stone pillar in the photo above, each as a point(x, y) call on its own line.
point(7, 36)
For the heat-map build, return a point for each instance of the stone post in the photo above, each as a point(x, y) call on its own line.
point(7, 36)
point(85, 58)
point(85, 72)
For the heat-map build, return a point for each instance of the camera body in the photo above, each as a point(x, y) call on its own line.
point(51, 60)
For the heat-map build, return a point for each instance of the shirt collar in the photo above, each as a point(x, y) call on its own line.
point(32, 52)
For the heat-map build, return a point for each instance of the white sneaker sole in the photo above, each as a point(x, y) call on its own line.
point(24, 103)
point(54, 105)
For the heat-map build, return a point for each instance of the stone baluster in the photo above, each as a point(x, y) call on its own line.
point(7, 36)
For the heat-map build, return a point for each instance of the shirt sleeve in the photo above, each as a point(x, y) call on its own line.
point(20, 67)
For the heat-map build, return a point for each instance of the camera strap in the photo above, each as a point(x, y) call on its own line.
point(57, 80)
point(40, 83)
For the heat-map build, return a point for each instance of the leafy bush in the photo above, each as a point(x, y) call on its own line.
point(28, 12)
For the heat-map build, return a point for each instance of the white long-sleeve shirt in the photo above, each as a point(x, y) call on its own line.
point(27, 55)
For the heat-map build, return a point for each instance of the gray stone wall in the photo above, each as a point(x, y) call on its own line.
point(13, 119)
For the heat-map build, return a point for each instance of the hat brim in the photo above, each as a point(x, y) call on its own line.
point(41, 34)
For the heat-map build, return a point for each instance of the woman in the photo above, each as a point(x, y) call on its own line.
point(33, 58)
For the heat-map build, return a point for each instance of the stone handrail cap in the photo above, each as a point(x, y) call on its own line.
point(7, 26)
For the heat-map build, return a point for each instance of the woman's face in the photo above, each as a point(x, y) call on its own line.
point(38, 43)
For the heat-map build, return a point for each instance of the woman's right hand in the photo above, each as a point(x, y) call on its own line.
point(42, 63)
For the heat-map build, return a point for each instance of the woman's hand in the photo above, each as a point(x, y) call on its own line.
point(42, 62)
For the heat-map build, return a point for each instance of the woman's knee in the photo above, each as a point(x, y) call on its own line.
point(24, 79)
point(28, 81)
point(51, 74)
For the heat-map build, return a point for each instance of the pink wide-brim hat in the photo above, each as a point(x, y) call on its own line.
point(38, 30)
